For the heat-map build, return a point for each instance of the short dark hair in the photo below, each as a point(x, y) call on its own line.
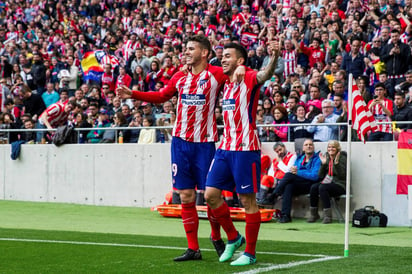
point(202, 40)
point(380, 85)
point(400, 94)
point(240, 50)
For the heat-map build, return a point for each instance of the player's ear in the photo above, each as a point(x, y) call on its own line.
point(240, 61)
point(205, 53)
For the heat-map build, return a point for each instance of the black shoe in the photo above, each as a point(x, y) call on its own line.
point(219, 246)
point(189, 254)
point(268, 200)
point(285, 219)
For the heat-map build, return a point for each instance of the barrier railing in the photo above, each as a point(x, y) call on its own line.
point(4, 139)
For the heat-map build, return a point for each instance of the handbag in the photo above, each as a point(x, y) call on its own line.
point(369, 216)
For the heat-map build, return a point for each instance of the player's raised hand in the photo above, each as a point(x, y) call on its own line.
point(274, 45)
point(239, 74)
point(124, 92)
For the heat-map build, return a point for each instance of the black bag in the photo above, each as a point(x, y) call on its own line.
point(369, 216)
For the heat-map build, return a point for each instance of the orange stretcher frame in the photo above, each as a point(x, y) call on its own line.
point(236, 213)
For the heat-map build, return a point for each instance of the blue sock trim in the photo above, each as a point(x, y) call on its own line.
point(249, 255)
point(235, 240)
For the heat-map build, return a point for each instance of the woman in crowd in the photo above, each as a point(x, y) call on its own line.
point(135, 124)
point(280, 115)
point(362, 83)
point(299, 131)
point(267, 111)
point(81, 122)
point(138, 79)
point(153, 75)
point(333, 182)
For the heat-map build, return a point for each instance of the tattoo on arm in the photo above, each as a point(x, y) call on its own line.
point(264, 75)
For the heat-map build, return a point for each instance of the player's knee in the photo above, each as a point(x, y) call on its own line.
point(212, 196)
point(187, 196)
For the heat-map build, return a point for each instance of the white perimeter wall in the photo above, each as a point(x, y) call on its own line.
point(139, 175)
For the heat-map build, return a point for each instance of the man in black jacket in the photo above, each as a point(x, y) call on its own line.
point(33, 103)
point(397, 58)
point(402, 111)
point(38, 71)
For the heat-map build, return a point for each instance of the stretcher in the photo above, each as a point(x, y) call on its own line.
point(236, 213)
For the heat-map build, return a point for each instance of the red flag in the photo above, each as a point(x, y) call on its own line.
point(362, 118)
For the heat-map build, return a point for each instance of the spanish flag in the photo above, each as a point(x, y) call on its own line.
point(404, 162)
point(91, 67)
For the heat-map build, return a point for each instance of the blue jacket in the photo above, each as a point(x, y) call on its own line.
point(310, 170)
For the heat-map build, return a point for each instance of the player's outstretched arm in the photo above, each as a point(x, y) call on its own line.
point(264, 75)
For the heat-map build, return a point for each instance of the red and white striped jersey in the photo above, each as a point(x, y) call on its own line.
point(130, 47)
point(127, 23)
point(240, 102)
point(290, 59)
point(380, 115)
point(56, 114)
point(195, 120)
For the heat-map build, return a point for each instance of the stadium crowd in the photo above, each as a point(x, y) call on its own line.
point(141, 44)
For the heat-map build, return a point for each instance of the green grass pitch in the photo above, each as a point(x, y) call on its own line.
point(64, 238)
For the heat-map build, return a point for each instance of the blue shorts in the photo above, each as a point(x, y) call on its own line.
point(191, 163)
point(240, 169)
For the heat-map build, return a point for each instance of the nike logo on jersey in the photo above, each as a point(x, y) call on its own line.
point(243, 187)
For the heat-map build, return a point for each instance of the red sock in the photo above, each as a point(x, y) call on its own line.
point(222, 215)
point(190, 221)
point(214, 224)
point(252, 231)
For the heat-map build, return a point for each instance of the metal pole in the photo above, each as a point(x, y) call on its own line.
point(349, 141)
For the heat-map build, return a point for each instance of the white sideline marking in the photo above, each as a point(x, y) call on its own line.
point(145, 246)
point(289, 265)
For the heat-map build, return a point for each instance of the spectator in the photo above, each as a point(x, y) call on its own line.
point(127, 113)
point(353, 61)
point(33, 103)
point(147, 135)
point(280, 115)
point(362, 83)
point(54, 116)
point(299, 180)
point(332, 173)
point(69, 77)
point(406, 87)
point(325, 133)
point(123, 79)
point(28, 136)
point(111, 136)
point(402, 111)
point(397, 57)
point(154, 75)
point(108, 77)
point(281, 165)
point(96, 135)
point(38, 72)
point(50, 96)
point(299, 132)
point(81, 122)
point(7, 122)
point(140, 60)
point(382, 109)
point(135, 124)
